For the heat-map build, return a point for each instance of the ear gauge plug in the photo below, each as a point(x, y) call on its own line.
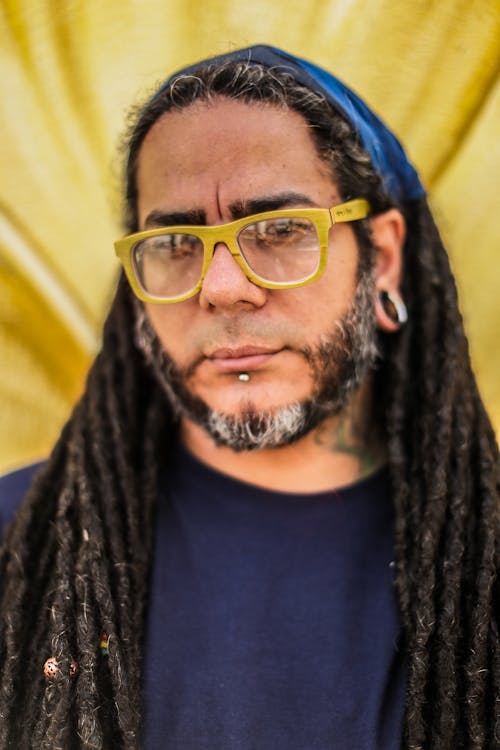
point(394, 307)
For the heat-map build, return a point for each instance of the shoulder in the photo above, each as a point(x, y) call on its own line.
point(13, 487)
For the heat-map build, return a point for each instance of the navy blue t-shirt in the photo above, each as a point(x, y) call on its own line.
point(272, 619)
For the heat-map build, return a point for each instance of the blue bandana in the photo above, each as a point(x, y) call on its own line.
point(399, 176)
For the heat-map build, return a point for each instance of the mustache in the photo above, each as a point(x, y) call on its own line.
point(228, 333)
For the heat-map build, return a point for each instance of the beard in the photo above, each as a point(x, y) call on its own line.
point(339, 364)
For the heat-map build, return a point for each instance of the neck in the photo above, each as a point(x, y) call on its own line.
point(340, 451)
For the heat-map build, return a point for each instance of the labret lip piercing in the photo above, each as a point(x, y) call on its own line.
point(243, 377)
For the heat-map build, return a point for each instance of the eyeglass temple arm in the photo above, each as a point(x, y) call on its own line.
point(358, 208)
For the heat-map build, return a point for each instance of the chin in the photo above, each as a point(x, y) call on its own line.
point(253, 429)
point(240, 399)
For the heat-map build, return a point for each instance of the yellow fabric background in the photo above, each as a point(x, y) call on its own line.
point(69, 71)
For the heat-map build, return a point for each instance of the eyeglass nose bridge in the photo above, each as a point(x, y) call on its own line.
point(230, 243)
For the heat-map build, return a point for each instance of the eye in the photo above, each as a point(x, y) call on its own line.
point(277, 231)
point(170, 246)
point(283, 228)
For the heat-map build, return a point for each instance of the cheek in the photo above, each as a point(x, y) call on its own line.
point(171, 324)
point(316, 307)
point(338, 284)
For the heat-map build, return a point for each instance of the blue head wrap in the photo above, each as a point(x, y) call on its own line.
point(399, 176)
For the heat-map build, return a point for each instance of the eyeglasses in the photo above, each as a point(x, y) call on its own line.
point(277, 250)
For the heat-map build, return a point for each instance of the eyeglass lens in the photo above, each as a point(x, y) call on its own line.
point(279, 250)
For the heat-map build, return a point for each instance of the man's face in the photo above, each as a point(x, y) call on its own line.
point(216, 163)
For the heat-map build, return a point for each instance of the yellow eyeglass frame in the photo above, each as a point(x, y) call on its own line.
point(322, 218)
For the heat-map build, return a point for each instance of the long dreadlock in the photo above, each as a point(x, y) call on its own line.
point(76, 559)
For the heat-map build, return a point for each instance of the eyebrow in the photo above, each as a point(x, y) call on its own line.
point(158, 218)
point(238, 210)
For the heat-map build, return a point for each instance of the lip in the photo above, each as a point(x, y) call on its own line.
point(241, 358)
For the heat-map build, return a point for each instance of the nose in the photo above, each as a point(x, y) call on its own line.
point(226, 285)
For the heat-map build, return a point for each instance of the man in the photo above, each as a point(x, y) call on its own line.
point(272, 520)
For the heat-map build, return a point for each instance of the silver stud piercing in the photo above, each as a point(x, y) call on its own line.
point(243, 377)
point(394, 307)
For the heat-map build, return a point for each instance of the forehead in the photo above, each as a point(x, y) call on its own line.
point(228, 146)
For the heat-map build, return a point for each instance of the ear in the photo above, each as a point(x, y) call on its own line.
point(388, 234)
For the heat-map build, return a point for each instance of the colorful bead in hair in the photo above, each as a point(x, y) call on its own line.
point(104, 644)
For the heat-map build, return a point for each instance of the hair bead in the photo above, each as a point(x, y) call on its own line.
point(51, 668)
point(104, 643)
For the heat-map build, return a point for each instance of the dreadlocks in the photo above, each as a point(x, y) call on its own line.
point(75, 560)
